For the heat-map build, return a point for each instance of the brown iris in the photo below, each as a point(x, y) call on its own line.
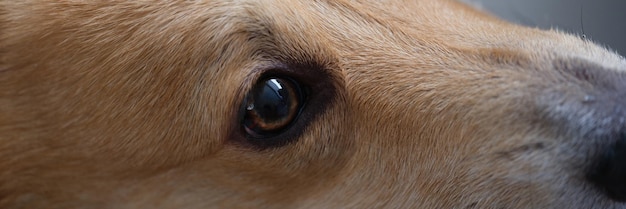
point(271, 106)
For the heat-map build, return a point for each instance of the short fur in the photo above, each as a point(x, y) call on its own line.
point(135, 104)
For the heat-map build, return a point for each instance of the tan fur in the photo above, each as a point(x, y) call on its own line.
point(133, 104)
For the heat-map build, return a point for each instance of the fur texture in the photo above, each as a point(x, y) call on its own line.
point(431, 104)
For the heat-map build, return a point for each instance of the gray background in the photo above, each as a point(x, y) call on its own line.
point(604, 21)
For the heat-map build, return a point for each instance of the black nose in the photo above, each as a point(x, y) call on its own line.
point(599, 117)
point(609, 172)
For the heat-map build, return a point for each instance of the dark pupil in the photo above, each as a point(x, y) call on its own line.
point(271, 101)
point(271, 106)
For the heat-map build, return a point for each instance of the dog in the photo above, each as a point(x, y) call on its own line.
point(303, 104)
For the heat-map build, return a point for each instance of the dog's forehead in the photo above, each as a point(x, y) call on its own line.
point(455, 25)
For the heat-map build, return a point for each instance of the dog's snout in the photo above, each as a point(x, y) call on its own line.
point(609, 171)
point(587, 99)
point(590, 103)
point(605, 115)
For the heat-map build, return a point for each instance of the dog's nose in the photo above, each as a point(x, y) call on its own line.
point(598, 116)
point(603, 117)
point(609, 172)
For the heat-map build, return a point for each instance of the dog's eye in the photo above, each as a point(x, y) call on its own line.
point(271, 106)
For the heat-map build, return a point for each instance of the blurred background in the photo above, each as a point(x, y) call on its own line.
point(603, 21)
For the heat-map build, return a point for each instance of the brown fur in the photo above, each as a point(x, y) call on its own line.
point(134, 104)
